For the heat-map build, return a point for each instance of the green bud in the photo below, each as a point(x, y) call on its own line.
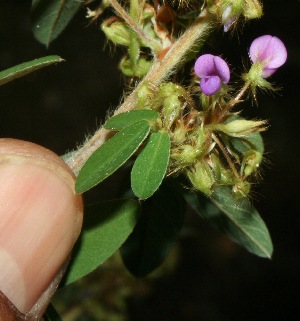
point(184, 155)
point(251, 161)
point(241, 189)
point(170, 94)
point(241, 127)
point(201, 177)
point(179, 134)
point(230, 12)
point(203, 141)
point(169, 88)
point(139, 70)
point(236, 7)
point(171, 110)
point(118, 32)
point(252, 9)
point(145, 96)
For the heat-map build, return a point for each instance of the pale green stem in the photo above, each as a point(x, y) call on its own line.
point(160, 70)
point(237, 98)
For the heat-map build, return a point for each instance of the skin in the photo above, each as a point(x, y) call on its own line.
point(40, 220)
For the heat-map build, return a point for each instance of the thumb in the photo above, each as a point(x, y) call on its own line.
point(40, 220)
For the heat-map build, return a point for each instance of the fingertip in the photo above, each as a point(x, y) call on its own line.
point(41, 218)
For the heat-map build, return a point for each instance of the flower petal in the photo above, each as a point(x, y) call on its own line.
point(277, 53)
point(222, 69)
point(269, 49)
point(267, 72)
point(210, 85)
point(205, 66)
point(258, 48)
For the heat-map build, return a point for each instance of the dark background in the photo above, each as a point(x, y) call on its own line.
point(214, 279)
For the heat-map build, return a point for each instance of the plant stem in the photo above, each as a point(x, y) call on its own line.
point(160, 70)
point(224, 152)
point(241, 93)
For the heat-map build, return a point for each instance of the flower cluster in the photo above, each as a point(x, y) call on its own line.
point(215, 158)
point(267, 54)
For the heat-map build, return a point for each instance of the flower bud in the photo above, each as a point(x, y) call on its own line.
point(201, 177)
point(179, 133)
point(171, 110)
point(252, 9)
point(170, 95)
point(241, 189)
point(251, 162)
point(139, 70)
point(185, 154)
point(145, 96)
point(241, 127)
point(41, 218)
point(116, 31)
point(231, 10)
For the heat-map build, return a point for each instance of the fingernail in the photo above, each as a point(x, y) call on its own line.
point(40, 220)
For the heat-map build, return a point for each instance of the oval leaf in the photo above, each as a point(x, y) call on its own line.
point(155, 233)
point(50, 18)
point(106, 227)
point(151, 165)
point(252, 141)
point(27, 68)
point(111, 155)
point(237, 218)
point(120, 121)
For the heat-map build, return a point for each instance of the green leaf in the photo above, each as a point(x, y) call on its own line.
point(252, 141)
point(106, 227)
point(27, 68)
point(155, 233)
point(50, 18)
point(111, 155)
point(51, 314)
point(151, 165)
point(120, 121)
point(237, 218)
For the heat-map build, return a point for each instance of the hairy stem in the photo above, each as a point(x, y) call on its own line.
point(237, 98)
point(160, 70)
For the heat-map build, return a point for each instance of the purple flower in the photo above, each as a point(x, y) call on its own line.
point(213, 72)
point(270, 51)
